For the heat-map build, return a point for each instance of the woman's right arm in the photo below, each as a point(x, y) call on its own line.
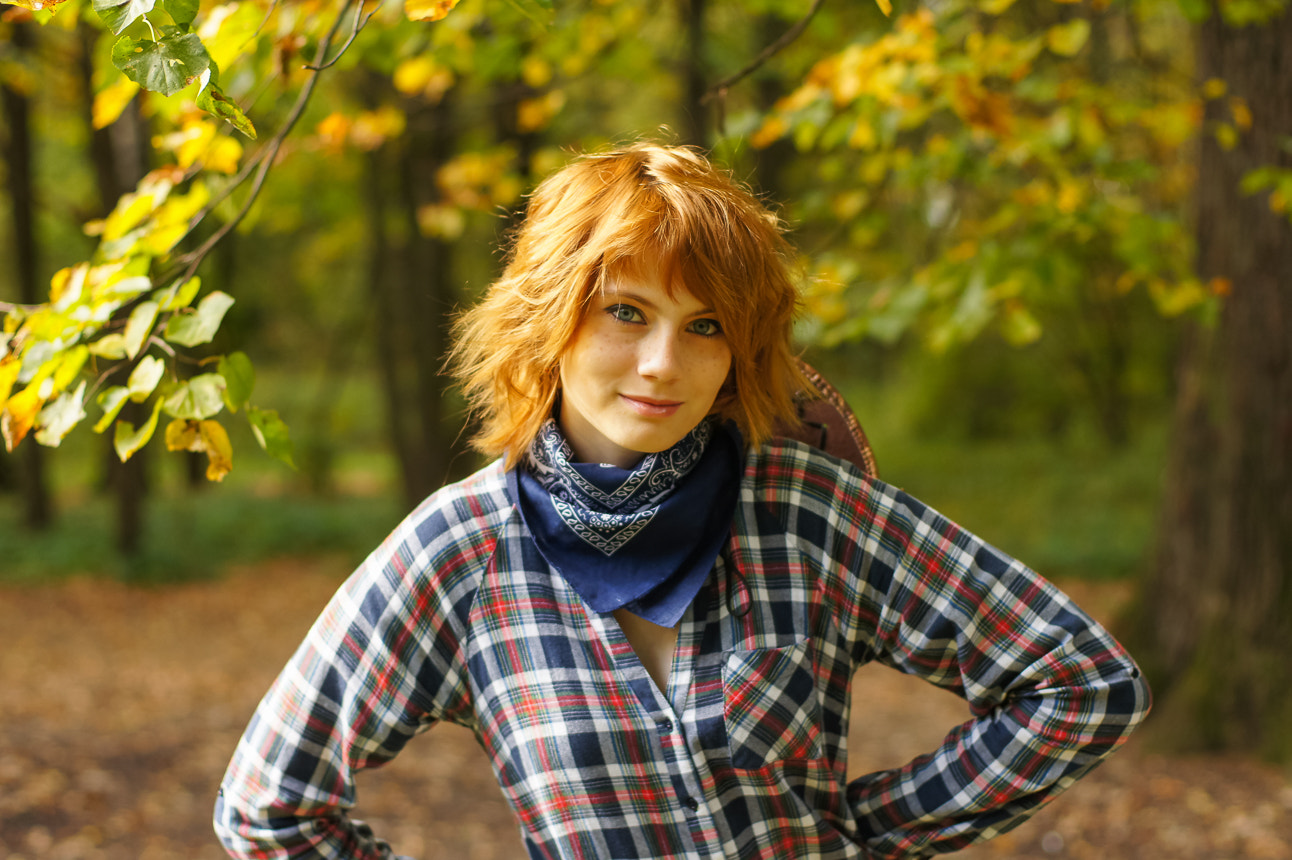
point(379, 665)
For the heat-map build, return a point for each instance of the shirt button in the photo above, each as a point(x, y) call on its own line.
point(691, 803)
point(665, 725)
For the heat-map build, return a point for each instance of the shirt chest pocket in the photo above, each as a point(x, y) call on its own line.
point(770, 706)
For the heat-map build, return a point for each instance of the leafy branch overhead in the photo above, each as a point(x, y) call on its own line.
point(127, 326)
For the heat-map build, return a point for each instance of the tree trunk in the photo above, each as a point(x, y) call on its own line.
point(411, 276)
point(38, 509)
point(694, 83)
point(1218, 609)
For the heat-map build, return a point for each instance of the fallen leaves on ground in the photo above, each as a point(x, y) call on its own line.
point(122, 705)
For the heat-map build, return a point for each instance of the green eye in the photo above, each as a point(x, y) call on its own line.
point(706, 327)
point(625, 313)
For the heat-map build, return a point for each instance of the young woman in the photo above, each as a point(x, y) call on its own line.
point(648, 609)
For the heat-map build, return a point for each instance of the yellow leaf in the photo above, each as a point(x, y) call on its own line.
point(772, 130)
point(536, 114)
point(414, 74)
point(110, 101)
point(219, 453)
point(1241, 112)
point(181, 435)
point(9, 367)
point(885, 6)
point(1071, 196)
point(223, 155)
point(1214, 88)
point(333, 130)
point(535, 71)
point(1067, 39)
point(1226, 136)
point(428, 10)
point(50, 6)
point(19, 414)
point(966, 250)
point(373, 128)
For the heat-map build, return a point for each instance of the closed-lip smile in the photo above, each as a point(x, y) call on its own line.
point(651, 406)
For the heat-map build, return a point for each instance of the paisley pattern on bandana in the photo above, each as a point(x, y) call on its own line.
point(608, 517)
point(645, 538)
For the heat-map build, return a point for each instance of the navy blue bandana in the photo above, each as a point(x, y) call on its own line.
point(641, 539)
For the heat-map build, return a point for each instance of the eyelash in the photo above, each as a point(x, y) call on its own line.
point(632, 316)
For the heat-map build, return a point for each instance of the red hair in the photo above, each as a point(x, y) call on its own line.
point(638, 207)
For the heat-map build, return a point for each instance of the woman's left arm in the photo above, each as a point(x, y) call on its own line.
point(1051, 692)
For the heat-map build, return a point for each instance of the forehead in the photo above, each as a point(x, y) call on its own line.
point(658, 275)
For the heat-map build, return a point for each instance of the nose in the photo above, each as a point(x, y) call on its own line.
point(659, 355)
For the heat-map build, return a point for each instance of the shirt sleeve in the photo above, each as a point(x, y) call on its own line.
point(1051, 692)
point(379, 665)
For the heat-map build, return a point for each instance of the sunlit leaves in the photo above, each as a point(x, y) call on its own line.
point(108, 319)
point(165, 66)
point(58, 417)
point(428, 10)
point(111, 403)
point(139, 327)
point(974, 138)
point(271, 433)
point(127, 439)
point(120, 14)
point(182, 12)
point(19, 415)
point(213, 100)
point(1068, 38)
point(208, 437)
point(200, 325)
point(49, 6)
point(196, 398)
point(144, 378)
point(239, 378)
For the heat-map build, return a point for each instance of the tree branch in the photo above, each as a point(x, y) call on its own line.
point(719, 90)
point(265, 158)
point(354, 32)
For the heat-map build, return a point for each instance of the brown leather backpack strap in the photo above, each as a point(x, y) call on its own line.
point(827, 422)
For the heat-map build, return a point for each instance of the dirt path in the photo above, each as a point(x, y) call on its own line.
point(120, 707)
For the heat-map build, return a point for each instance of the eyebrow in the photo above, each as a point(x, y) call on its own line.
point(623, 295)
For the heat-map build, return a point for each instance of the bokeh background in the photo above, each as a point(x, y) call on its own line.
point(1044, 251)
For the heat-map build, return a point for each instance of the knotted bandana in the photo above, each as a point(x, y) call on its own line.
point(642, 539)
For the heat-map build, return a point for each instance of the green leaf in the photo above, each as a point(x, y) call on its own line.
point(201, 325)
point(181, 295)
point(165, 66)
point(213, 100)
point(120, 14)
point(198, 398)
point(240, 379)
point(110, 346)
point(144, 378)
point(271, 433)
point(127, 440)
point(139, 327)
point(182, 12)
point(111, 402)
point(57, 418)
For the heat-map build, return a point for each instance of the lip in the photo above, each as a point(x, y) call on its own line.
point(651, 407)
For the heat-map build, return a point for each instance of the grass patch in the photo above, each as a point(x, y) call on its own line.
point(190, 537)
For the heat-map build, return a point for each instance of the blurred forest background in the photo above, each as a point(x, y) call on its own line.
point(1046, 254)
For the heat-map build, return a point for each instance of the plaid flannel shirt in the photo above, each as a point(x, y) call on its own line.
point(457, 617)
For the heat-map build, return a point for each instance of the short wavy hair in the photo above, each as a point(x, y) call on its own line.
point(627, 211)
